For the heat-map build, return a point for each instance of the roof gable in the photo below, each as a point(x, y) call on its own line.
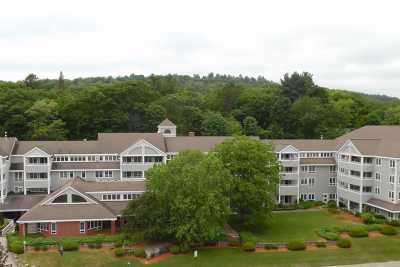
point(349, 148)
point(142, 147)
point(36, 152)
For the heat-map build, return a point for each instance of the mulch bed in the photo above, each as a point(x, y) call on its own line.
point(344, 236)
point(349, 217)
point(374, 234)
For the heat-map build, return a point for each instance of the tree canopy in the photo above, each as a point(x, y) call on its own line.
point(211, 105)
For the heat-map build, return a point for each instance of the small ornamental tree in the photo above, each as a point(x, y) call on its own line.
point(186, 200)
point(255, 175)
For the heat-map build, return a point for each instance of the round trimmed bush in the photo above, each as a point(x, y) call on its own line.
point(119, 252)
point(358, 232)
point(296, 245)
point(174, 249)
point(343, 243)
point(388, 230)
point(69, 245)
point(368, 218)
point(139, 252)
point(17, 247)
point(249, 246)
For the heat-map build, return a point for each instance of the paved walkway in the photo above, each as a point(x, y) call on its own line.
point(379, 264)
point(11, 259)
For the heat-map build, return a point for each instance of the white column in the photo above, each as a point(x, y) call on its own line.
point(48, 175)
point(395, 182)
point(361, 184)
point(298, 178)
point(1, 180)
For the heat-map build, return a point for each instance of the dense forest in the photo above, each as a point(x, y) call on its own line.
point(215, 104)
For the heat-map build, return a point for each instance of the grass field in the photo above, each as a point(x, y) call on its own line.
point(363, 250)
point(286, 226)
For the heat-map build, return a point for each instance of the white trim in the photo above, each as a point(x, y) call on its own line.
point(107, 192)
point(375, 206)
point(35, 148)
point(347, 143)
point(48, 201)
point(69, 220)
point(287, 148)
point(142, 143)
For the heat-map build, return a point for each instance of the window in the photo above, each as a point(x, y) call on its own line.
point(53, 228)
point(61, 199)
point(391, 195)
point(19, 177)
point(134, 159)
point(95, 225)
point(108, 174)
point(61, 158)
point(309, 169)
point(392, 163)
point(128, 196)
point(367, 174)
point(37, 160)
point(42, 227)
point(114, 196)
point(132, 174)
point(399, 196)
point(77, 199)
point(99, 174)
point(378, 161)
point(311, 196)
point(377, 191)
point(303, 181)
point(151, 159)
point(368, 160)
point(332, 181)
point(391, 179)
point(367, 189)
point(332, 169)
point(167, 131)
point(91, 158)
point(354, 173)
point(303, 196)
point(332, 196)
point(83, 174)
point(66, 175)
point(37, 175)
point(377, 176)
point(82, 227)
point(311, 182)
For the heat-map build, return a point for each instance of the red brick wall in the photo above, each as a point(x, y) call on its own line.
point(65, 229)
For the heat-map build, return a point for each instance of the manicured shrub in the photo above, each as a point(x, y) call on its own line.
point(358, 232)
point(17, 247)
point(343, 243)
point(139, 252)
point(69, 245)
point(296, 245)
point(320, 244)
point(378, 216)
point(246, 236)
point(249, 246)
point(184, 248)
point(368, 218)
point(374, 228)
point(389, 230)
point(174, 249)
point(119, 252)
point(328, 234)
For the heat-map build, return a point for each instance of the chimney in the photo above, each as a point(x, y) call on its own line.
point(191, 134)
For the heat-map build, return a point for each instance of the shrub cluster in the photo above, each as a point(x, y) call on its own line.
point(249, 246)
point(393, 222)
point(69, 245)
point(328, 234)
point(358, 232)
point(119, 252)
point(343, 243)
point(389, 230)
point(297, 245)
point(184, 248)
point(301, 205)
point(139, 252)
point(17, 247)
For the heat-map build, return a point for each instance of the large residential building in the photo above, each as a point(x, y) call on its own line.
point(78, 187)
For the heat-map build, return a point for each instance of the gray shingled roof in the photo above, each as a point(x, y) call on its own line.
point(118, 142)
point(20, 202)
point(202, 143)
point(167, 123)
point(96, 210)
point(384, 205)
point(116, 206)
point(303, 144)
point(6, 145)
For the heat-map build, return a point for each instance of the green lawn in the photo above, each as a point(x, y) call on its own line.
point(286, 226)
point(363, 250)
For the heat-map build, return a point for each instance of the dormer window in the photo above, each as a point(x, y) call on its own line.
point(167, 131)
point(77, 199)
point(66, 198)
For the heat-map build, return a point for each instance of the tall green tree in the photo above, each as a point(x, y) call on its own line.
point(255, 171)
point(186, 200)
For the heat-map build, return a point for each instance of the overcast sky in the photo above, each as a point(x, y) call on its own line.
point(352, 45)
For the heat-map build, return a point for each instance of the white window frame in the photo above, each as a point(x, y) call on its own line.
point(82, 230)
point(53, 228)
